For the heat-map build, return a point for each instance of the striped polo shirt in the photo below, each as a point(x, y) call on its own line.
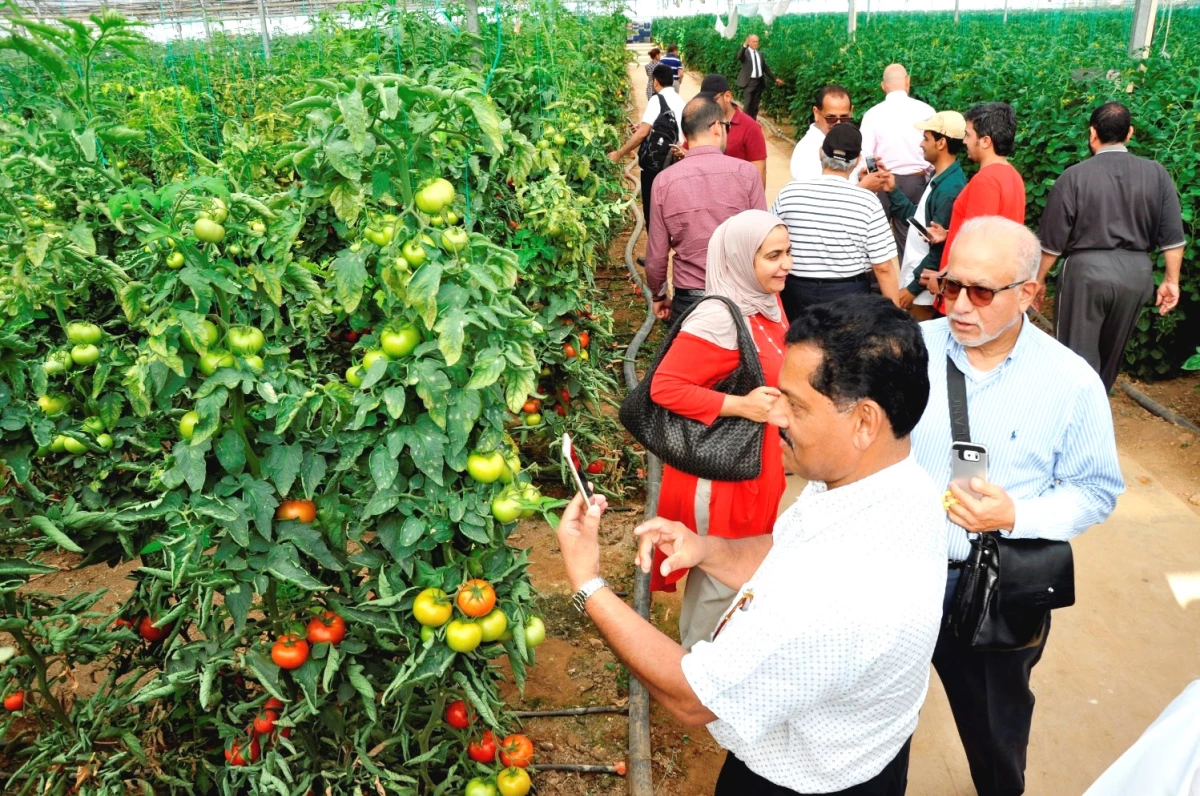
point(838, 230)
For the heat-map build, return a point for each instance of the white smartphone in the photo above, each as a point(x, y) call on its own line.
point(968, 460)
point(577, 472)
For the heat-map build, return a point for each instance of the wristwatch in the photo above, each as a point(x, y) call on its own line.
point(587, 590)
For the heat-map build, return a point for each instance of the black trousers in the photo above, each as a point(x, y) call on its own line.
point(992, 705)
point(751, 95)
point(738, 780)
point(647, 181)
point(801, 292)
point(681, 303)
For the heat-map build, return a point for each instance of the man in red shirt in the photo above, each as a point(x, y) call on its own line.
point(996, 190)
point(745, 140)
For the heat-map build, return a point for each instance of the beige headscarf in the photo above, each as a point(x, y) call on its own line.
point(730, 273)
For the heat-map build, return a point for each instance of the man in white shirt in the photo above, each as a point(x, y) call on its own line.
point(831, 108)
point(815, 675)
point(890, 138)
point(665, 98)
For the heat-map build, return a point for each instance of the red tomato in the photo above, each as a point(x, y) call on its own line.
point(569, 351)
point(148, 631)
point(565, 395)
point(289, 652)
point(516, 750)
point(326, 628)
point(562, 410)
point(351, 336)
point(584, 339)
point(16, 700)
point(483, 750)
point(476, 598)
point(531, 406)
point(304, 511)
point(273, 704)
point(265, 722)
point(233, 755)
point(457, 715)
point(596, 467)
point(121, 622)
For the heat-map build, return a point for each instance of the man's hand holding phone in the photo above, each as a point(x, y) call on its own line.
point(937, 233)
point(994, 511)
point(579, 539)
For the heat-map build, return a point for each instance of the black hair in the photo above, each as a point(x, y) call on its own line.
point(654, 53)
point(953, 145)
point(698, 115)
point(870, 349)
point(997, 121)
point(1111, 121)
point(664, 75)
point(672, 48)
point(829, 91)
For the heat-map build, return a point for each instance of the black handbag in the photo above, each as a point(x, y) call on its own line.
point(728, 450)
point(1007, 587)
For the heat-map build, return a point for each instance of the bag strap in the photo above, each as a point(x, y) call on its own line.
point(956, 393)
point(747, 353)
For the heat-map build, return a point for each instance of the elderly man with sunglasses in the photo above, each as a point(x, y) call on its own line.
point(1052, 470)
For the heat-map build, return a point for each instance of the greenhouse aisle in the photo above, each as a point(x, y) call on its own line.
point(1114, 660)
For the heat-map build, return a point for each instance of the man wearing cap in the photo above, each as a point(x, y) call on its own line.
point(745, 140)
point(1104, 215)
point(941, 141)
point(889, 136)
point(752, 78)
point(839, 232)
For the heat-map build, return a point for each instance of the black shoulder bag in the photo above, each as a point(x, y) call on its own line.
point(1007, 587)
point(654, 154)
point(728, 450)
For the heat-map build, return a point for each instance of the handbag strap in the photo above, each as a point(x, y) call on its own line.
point(956, 394)
point(747, 354)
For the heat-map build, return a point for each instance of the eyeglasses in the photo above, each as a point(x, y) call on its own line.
point(726, 125)
point(832, 120)
point(979, 295)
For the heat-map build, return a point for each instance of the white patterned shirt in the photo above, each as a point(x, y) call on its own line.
point(818, 682)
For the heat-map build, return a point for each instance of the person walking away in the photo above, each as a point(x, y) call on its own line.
point(815, 674)
point(889, 136)
point(654, 61)
point(1104, 215)
point(667, 101)
point(691, 199)
point(997, 188)
point(831, 107)
point(748, 262)
point(752, 78)
point(673, 60)
point(1052, 468)
point(839, 232)
point(745, 140)
point(942, 140)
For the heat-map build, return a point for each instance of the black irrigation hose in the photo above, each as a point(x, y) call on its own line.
point(542, 714)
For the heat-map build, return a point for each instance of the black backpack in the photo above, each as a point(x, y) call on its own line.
point(655, 151)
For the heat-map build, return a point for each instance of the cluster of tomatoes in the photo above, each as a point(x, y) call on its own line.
point(484, 622)
point(515, 753)
point(570, 351)
point(514, 501)
point(261, 731)
point(84, 353)
point(395, 342)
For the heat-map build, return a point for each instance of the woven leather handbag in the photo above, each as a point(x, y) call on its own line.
point(728, 450)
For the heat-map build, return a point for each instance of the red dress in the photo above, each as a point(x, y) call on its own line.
point(683, 383)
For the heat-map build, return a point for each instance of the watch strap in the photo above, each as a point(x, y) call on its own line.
point(587, 590)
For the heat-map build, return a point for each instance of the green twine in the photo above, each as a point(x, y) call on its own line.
point(179, 105)
point(487, 84)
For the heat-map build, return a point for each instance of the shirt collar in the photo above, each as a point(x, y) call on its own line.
point(898, 94)
point(958, 352)
point(1112, 148)
point(665, 91)
point(953, 167)
point(820, 508)
point(703, 150)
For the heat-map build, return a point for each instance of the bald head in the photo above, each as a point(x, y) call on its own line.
point(1013, 248)
point(895, 78)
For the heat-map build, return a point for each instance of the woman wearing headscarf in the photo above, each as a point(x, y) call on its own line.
point(749, 257)
point(654, 61)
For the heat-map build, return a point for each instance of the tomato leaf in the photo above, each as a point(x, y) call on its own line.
point(347, 201)
point(488, 367)
point(284, 563)
point(266, 672)
point(238, 600)
point(451, 329)
point(363, 685)
point(427, 445)
point(312, 471)
point(384, 468)
point(344, 159)
point(283, 463)
point(190, 466)
point(423, 291)
point(310, 542)
point(53, 533)
point(350, 275)
point(260, 497)
point(393, 399)
point(231, 452)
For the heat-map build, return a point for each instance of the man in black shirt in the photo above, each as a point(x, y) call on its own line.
point(1104, 215)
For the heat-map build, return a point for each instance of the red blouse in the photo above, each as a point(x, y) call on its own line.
point(683, 383)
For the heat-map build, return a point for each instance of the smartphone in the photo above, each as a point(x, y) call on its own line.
point(924, 233)
point(577, 472)
point(968, 460)
point(872, 166)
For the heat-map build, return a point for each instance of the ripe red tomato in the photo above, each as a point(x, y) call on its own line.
point(483, 750)
point(273, 704)
point(584, 339)
point(595, 467)
point(569, 351)
point(121, 622)
point(233, 755)
point(457, 715)
point(476, 598)
point(326, 628)
point(561, 410)
point(531, 406)
point(289, 652)
point(304, 511)
point(350, 336)
point(516, 750)
point(564, 395)
point(148, 631)
point(265, 722)
point(16, 701)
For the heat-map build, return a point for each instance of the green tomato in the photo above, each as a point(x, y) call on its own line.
point(254, 362)
point(451, 217)
point(535, 632)
point(85, 355)
point(438, 220)
point(381, 237)
point(74, 446)
point(506, 508)
point(428, 635)
point(211, 361)
point(533, 419)
point(543, 144)
point(530, 494)
point(463, 636)
point(217, 211)
point(208, 230)
point(435, 196)
point(57, 362)
point(52, 405)
point(246, 340)
point(58, 444)
point(93, 425)
point(234, 250)
point(400, 342)
point(486, 468)
point(478, 787)
point(554, 229)
point(175, 261)
point(512, 466)
point(104, 442)
point(455, 239)
point(82, 333)
point(560, 139)
point(494, 624)
point(209, 334)
point(354, 376)
point(371, 357)
point(258, 228)
point(414, 253)
point(187, 424)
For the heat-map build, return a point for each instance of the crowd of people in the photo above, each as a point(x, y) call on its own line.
point(887, 297)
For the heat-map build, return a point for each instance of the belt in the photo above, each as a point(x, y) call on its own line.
point(687, 291)
point(952, 564)
point(865, 276)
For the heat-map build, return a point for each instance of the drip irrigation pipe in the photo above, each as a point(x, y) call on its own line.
point(582, 769)
point(542, 714)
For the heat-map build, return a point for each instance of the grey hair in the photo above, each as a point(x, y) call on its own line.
point(1024, 245)
point(837, 164)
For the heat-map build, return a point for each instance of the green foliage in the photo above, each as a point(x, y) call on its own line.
point(1054, 68)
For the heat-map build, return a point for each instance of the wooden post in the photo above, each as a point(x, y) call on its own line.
point(266, 34)
point(1142, 34)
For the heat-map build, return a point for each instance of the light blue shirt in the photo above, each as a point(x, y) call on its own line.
point(1045, 419)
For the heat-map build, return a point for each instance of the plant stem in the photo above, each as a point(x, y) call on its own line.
point(39, 664)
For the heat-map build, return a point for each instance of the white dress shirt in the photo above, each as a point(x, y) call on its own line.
point(755, 63)
point(889, 135)
point(1044, 417)
point(817, 682)
point(806, 160)
point(674, 102)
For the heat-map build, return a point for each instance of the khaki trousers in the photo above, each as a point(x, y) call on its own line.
point(704, 598)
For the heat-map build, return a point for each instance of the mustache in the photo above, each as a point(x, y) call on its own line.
point(787, 440)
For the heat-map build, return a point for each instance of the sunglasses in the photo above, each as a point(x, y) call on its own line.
point(726, 125)
point(832, 120)
point(979, 295)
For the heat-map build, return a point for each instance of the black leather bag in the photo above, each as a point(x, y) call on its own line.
point(1007, 587)
point(728, 450)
